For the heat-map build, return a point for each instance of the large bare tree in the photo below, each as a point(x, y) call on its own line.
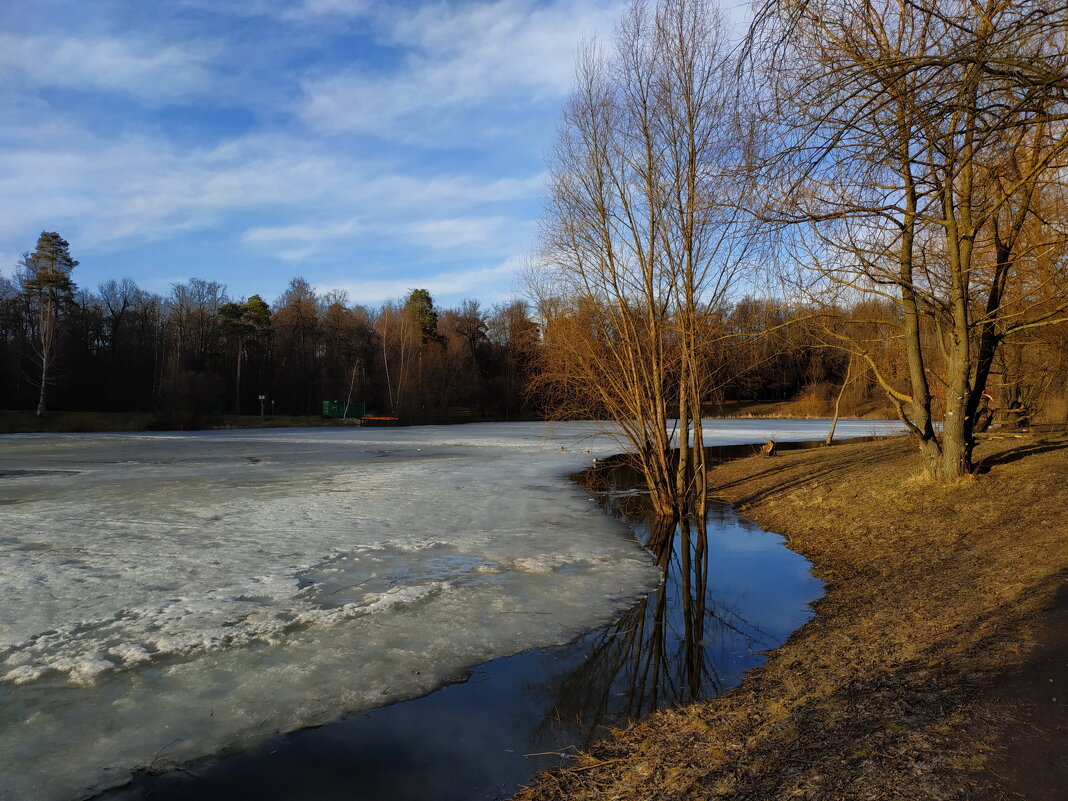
point(922, 149)
point(640, 242)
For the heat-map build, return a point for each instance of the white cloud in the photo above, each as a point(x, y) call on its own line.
point(488, 284)
point(115, 191)
point(149, 70)
point(316, 8)
point(455, 232)
point(289, 10)
point(405, 190)
point(302, 233)
point(298, 243)
point(303, 241)
point(111, 192)
point(111, 180)
point(510, 52)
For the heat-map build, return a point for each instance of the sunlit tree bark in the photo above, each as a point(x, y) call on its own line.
point(918, 143)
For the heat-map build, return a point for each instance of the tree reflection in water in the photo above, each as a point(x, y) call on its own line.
point(687, 640)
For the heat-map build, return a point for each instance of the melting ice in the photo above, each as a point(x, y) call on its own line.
point(167, 597)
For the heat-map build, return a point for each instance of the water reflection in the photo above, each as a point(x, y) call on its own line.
point(729, 592)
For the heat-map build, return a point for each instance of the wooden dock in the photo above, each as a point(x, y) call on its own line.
point(374, 420)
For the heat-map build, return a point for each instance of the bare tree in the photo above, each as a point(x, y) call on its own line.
point(298, 331)
point(639, 241)
point(514, 337)
point(117, 297)
point(921, 155)
point(399, 337)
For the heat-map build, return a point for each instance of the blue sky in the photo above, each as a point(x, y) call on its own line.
point(366, 146)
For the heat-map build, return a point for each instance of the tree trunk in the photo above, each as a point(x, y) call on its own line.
point(838, 402)
point(237, 382)
point(682, 469)
point(352, 382)
point(44, 388)
point(48, 331)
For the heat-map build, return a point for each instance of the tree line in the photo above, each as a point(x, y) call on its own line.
point(198, 351)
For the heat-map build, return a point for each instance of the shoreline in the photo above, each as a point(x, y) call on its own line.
point(347, 568)
point(935, 595)
point(570, 678)
point(14, 421)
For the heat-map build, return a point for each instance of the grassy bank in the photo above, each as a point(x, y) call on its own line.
point(805, 407)
point(901, 687)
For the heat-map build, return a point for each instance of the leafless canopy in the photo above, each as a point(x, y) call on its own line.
point(919, 155)
point(642, 237)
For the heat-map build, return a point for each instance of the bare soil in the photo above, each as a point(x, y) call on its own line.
point(931, 667)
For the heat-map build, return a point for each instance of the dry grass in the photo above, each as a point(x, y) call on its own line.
point(933, 592)
point(810, 404)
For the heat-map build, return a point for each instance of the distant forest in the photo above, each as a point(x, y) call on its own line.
point(199, 351)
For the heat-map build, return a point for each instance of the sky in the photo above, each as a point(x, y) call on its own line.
point(370, 147)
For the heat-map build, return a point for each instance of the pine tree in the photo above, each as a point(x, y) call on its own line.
point(51, 293)
point(420, 306)
point(248, 322)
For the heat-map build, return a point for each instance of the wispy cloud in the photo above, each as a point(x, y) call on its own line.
point(298, 243)
point(152, 71)
point(244, 139)
point(455, 232)
point(302, 233)
point(489, 284)
point(109, 192)
point(317, 8)
point(137, 187)
point(458, 57)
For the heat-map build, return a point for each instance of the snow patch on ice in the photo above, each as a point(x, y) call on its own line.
point(24, 674)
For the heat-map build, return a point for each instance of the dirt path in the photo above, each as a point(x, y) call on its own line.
point(921, 675)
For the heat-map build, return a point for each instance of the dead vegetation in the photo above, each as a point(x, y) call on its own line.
point(934, 592)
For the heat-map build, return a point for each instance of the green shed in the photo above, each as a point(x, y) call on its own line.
point(333, 408)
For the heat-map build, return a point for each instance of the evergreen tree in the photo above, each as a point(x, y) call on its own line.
point(50, 292)
point(420, 307)
point(247, 323)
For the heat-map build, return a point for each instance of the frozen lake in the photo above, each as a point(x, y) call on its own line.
point(173, 596)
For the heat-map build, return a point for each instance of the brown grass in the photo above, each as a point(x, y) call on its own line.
point(933, 592)
point(812, 403)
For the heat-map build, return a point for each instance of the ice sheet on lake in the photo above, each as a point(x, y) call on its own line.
point(171, 596)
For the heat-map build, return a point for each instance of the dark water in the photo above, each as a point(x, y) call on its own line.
point(730, 592)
